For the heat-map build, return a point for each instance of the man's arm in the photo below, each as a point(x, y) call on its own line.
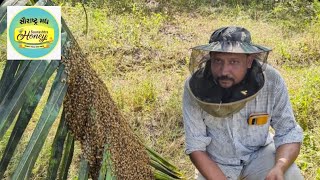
point(286, 154)
point(197, 139)
point(207, 167)
point(288, 134)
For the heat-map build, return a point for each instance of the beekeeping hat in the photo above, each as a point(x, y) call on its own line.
point(230, 39)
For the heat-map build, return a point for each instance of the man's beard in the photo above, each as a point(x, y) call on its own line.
point(223, 78)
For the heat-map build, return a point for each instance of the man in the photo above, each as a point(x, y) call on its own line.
point(230, 102)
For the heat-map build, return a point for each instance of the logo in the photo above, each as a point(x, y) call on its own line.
point(244, 92)
point(34, 33)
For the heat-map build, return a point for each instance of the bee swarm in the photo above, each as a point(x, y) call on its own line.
point(94, 119)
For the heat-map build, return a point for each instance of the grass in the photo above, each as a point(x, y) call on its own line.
point(142, 57)
point(303, 85)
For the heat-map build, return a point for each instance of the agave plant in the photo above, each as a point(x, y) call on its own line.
point(21, 87)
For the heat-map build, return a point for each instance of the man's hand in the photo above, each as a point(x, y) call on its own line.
point(206, 166)
point(285, 156)
point(275, 174)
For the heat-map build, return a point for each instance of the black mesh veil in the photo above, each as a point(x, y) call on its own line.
point(199, 58)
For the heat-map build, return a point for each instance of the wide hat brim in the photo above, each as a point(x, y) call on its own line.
point(233, 47)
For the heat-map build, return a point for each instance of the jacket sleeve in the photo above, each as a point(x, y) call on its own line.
point(282, 121)
point(195, 128)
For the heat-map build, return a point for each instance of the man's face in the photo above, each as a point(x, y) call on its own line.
point(229, 69)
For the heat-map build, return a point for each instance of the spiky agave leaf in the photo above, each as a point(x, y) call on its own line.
point(26, 113)
point(162, 167)
point(39, 135)
point(9, 82)
point(12, 104)
point(7, 77)
point(67, 156)
point(14, 98)
point(20, 91)
point(57, 148)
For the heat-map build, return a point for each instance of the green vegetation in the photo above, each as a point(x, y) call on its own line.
point(141, 52)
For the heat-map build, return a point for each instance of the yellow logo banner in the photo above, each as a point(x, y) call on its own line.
point(34, 35)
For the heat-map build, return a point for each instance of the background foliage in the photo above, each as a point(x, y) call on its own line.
point(141, 51)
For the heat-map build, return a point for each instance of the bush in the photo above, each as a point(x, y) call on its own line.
point(294, 15)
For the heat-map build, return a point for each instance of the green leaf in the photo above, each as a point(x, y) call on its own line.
point(11, 89)
point(41, 3)
point(11, 105)
point(67, 156)
point(106, 166)
point(161, 168)
point(25, 115)
point(57, 148)
point(160, 159)
point(163, 165)
point(39, 135)
point(8, 76)
point(84, 169)
point(158, 175)
point(14, 3)
point(109, 176)
point(3, 19)
point(63, 38)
